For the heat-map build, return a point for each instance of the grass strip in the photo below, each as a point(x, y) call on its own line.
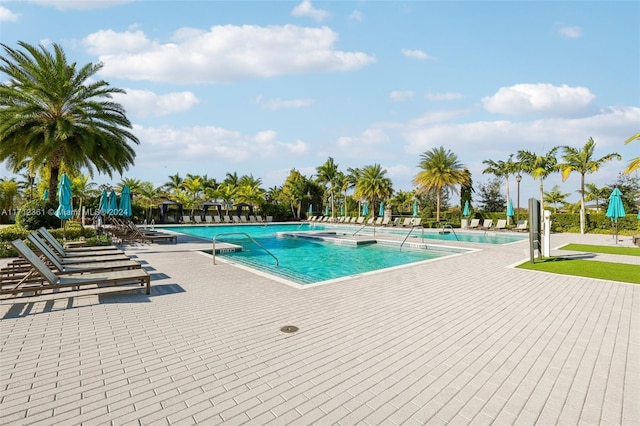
point(627, 251)
point(587, 268)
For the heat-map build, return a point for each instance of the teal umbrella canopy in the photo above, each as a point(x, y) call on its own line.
point(65, 209)
point(510, 212)
point(415, 208)
point(112, 208)
point(381, 211)
point(310, 208)
point(365, 209)
point(616, 209)
point(465, 211)
point(45, 194)
point(103, 205)
point(124, 208)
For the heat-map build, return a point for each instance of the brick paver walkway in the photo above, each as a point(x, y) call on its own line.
point(463, 340)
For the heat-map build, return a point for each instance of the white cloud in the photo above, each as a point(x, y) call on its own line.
point(80, 4)
point(367, 142)
point(416, 54)
point(144, 103)
point(607, 127)
point(527, 99)
point(222, 54)
point(306, 9)
point(200, 145)
point(356, 15)
point(399, 96)
point(443, 96)
point(109, 42)
point(568, 32)
point(274, 104)
point(7, 16)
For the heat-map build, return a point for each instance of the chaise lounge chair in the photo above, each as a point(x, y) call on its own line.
point(49, 280)
point(522, 226)
point(501, 225)
point(474, 224)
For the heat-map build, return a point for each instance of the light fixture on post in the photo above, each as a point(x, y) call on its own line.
point(518, 179)
point(32, 181)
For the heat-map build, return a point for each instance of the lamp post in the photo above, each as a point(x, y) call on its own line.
point(518, 179)
point(32, 179)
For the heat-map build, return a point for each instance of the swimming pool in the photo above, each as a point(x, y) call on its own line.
point(311, 261)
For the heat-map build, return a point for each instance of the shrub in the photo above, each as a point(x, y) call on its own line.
point(37, 213)
point(13, 232)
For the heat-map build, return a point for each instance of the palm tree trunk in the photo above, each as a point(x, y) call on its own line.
point(508, 198)
point(582, 208)
point(438, 205)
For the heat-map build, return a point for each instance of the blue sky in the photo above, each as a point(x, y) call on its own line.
point(262, 87)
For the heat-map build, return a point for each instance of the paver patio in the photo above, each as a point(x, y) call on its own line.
point(462, 340)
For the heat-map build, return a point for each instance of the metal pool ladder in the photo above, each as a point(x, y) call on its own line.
point(246, 235)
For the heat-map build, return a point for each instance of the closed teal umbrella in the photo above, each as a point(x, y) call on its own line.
point(342, 210)
point(310, 209)
point(65, 209)
point(112, 208)
point(365, 209)
point(381, 211)
point(45, 194)
point(415, 208)
point(124, 208)
point(616, 209)
point(103, 205)
point(510, 212)
point(326, 210)
point(465, 211)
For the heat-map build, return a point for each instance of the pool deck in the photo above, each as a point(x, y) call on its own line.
point(460, 340)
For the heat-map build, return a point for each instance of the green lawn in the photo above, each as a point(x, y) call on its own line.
point(627, 251)
point(587, 268)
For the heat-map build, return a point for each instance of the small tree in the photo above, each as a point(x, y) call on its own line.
point(555, 197)
point(491, 198)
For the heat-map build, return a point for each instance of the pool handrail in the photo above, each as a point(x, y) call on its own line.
point(409, 233)
point(446, 225)
point(246, 235)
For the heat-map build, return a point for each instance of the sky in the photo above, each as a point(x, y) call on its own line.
point(264, 87)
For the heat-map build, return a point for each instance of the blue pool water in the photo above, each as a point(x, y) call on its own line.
point(306, 261)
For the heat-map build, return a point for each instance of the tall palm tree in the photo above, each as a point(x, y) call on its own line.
point(373, 185)
point(232, 179)
point(327, 175)
point(594, 193)
point(9, 191)
point(193, 188)
point(502, 169)
point(582, 161)
point(227, 193)
point(440, 169)
point(174, 184)
point(539, 167)
point(149, 196)
point(634, 164)
point(555, 196)
point(295, 190)
point(81, 188)
point(56, 113)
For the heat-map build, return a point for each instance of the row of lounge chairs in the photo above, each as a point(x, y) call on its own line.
point(226, 219)
point(53, 267)
point(501, 225)
point(361, 220)
point(127, 231)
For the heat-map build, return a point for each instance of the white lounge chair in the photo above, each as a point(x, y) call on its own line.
point(522, 226)
point(474, 224)
point(186, 219)
point(197, 219)
point(501, 225)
